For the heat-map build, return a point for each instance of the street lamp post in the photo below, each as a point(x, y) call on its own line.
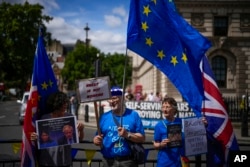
point(98, 66)
point(87, 40)
point(98, 74)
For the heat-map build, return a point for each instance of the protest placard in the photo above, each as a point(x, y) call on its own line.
point(93, 89)
point(195, 136)
point(56, 131)
point(174, 135)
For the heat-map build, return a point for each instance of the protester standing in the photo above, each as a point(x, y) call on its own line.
point(59, 156)
point(150, 97)
point(117, 127)
point(73, 104)
point(168, 156)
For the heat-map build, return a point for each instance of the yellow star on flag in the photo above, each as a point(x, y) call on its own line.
point(160, 54)
point(154, 1)
point(149, 42)
point(50, 83)
point(144, 26)
point(146, 10)
point(184, 57)
point(174, 60)
point(44, 85)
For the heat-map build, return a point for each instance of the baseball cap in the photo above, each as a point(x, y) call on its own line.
point(116, 91)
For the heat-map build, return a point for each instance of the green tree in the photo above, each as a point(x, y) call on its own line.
point(113, 66)
point(19, 27)
point(80, 64)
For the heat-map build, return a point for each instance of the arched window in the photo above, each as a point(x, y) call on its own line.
point(219, 67)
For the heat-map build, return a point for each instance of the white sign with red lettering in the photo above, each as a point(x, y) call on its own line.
point(93, 89)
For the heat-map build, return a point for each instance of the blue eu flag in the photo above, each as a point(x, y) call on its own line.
point(42, 85)
point(43, 78)
point(160, 35)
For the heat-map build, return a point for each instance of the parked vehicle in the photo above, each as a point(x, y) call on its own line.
point(2, 88)
point(23, 106)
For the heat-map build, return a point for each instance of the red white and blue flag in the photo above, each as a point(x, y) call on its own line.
point(159, 34)
point(219, 125)
point(42, 85)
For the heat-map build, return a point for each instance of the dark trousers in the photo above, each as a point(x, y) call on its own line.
point(53, 166)
point(118, 163)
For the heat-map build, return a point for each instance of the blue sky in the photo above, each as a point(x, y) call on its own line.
point(107, 20)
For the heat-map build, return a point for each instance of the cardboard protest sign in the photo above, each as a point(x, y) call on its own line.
point(93, 89)
point(195, 136)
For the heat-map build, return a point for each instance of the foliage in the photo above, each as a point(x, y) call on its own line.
point(19, 26)
point(113, 66)
point(80, 64)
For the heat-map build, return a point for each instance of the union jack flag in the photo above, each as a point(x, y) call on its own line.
point(42, 85)
point(219, 125)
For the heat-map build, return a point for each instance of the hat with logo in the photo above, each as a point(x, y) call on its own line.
point(116, 91)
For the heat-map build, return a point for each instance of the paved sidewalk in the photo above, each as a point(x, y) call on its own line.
point(237, 129)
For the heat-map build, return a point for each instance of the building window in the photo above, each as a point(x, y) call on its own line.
point(220, 26)
point(219, 67)
point(245, 22)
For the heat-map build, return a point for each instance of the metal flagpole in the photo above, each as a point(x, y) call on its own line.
point(123, 86)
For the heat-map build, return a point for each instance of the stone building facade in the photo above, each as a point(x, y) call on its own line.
point(226, 23)
point(57, 54)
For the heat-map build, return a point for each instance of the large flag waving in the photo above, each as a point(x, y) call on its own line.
point(42, 85)
point(160, 35)
point(219, 125)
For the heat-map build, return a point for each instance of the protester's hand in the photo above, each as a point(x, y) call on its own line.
point(122, 132)
point(164, 142)
point(98, 140)
point(80, 128)
point(33, 136)
point(204, 120)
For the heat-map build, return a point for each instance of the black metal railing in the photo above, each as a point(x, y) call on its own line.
point(237, 107)
point(79, 162)
point(195, 161)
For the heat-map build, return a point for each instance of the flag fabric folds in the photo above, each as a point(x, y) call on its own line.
point(42, 85)
point(219, 125)
point(160, 35)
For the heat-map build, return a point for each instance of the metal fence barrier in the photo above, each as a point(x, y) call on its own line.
point(238, 111)
point(77, 162)
point(195, 161)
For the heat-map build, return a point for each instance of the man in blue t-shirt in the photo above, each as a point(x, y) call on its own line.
point(117, 127)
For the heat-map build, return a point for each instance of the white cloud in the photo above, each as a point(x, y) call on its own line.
point(120, 11)
point(112, 21)
point(108, 42)
point(106, 31)
point(63, 31)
